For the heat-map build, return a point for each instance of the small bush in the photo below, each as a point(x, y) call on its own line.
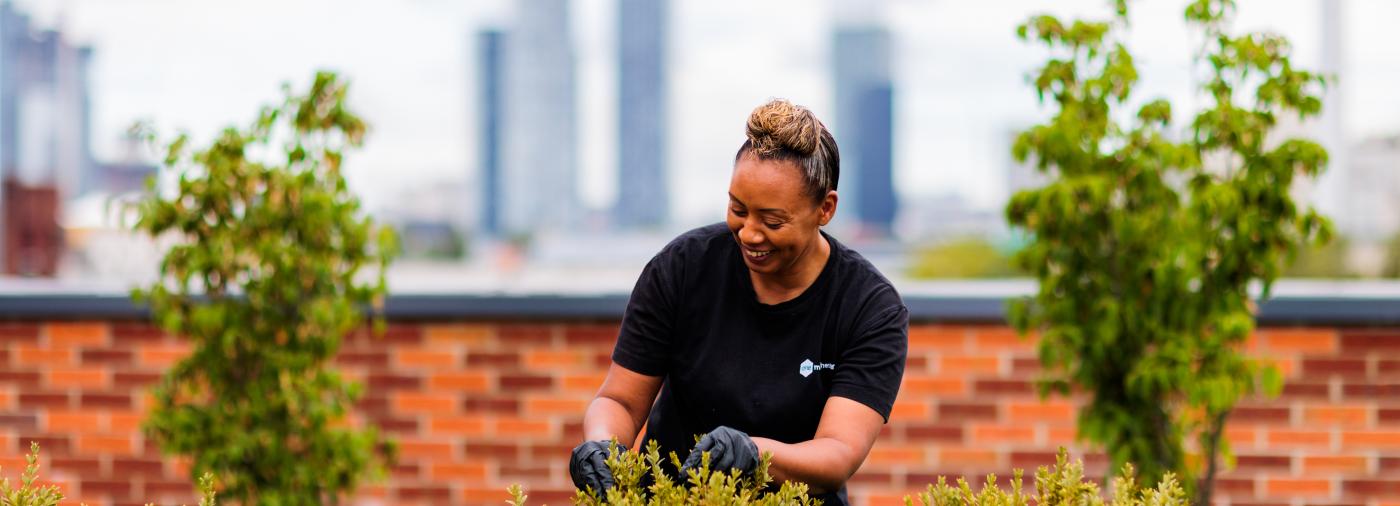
point(1060, 485)
point(49, 495)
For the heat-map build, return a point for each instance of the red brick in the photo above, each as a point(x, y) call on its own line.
point(74, 334)
point(993, 338)
point(553, 405)
point(909, 410)
point(434, 494)
point(116, 489)
point(1354, 416)
point(363, 358)
point(595, 335)
point(106, 357)
point(125, 421)
point(582, 382)
point(459, 382)
point(1314, 465)
point(64, 421)
point(50, 399)
point(1261, 415)
point(105, 400)
point(933, 385)
point(518, 473)
point(1385, 342)
point(1388, 368)
point(1388, 416)
point(401, 334)
point(494, 451)
point(1313, 341)
point(134, 379)
point(81, 378)
point(1255, 463)
point(554, 360)
point(383, 382)
point(493, 359)
point(1295, 438)
point(934, 432)
point(431, 451)
point(1002, 388)
point(1378, 391)
point(127, 333)
point(53, 445)
point(81, 466)
point(1325, 368)
point(454, 472)
point(524, 382)
point(163, 356)
point(513, 334)
point(1060, 412)
point(968, 458)
point(428, 404)
point(19, 422)
point(1306, 391)
point(938, 337)
point(426, 359)
point(516, 428)
point(51, 357)
point(450, 334)
point(1372, 488)
point(964, 411)
point(969, 364)
point(103, 444)
point(1001, 434)
point(24, 379)
point(457, 425)
point(143, 467)
point(1371, 439)
point(491, 404)
point(895, 455)
point(19, 332)
point(395, 425)
point(1297, 487)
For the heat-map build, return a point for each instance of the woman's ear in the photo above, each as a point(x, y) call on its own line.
point(828, 207)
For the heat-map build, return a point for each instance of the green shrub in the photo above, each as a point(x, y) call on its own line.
point(49, 495)
point(1060, 485)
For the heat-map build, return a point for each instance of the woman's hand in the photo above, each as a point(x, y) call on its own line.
point(588, 468)
point(729, 449)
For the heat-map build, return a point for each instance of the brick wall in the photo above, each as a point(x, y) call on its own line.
point(477, 406)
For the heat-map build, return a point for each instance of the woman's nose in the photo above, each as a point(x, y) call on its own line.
point(750, 234)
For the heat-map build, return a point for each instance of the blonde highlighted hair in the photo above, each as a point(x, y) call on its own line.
point(781, 130)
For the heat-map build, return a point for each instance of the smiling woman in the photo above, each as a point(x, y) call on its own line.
point(760, 335)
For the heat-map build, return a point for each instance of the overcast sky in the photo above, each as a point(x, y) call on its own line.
point(197, 65)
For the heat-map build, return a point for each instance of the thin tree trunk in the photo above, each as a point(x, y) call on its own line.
point(1207, 482)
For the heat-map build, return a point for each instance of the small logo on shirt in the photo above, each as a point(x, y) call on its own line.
point(806, 368)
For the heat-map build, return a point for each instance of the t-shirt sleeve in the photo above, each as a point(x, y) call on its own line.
point(644, 341)
point(872, 366)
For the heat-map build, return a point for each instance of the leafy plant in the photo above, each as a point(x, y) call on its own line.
point(970, 257)
point(1146, 247)
point(641, 481)
point(27, 494)
point(265, 280)
point(1061, 484)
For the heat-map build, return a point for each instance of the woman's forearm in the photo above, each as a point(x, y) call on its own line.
point(824, 464)
point(605, 419)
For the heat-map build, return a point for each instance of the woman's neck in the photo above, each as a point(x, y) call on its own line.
point(786, 285)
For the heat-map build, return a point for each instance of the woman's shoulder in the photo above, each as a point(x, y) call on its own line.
point(697, 242)
point(864, 282)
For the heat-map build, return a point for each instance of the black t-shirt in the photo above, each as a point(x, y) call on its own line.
point(767, 370)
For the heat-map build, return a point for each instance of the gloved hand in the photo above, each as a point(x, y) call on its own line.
point(729, 449)
point(587, 467)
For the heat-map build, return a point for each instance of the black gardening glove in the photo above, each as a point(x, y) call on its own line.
point(587, 467)
point(729, 449)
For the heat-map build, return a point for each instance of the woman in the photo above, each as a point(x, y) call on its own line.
point(763, 334)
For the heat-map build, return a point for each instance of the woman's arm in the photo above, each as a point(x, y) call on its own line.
point(844, 436)
point(621, 406)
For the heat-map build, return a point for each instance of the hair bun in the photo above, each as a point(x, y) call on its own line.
point(781, 125)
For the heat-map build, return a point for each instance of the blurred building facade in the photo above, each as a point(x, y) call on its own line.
point(643, 200)
point(864, 126)
point(490, 66)
point(539, 177)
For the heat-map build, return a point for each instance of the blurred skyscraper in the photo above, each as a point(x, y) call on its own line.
point(540, 174)
point(864, 127)
point(490, 64)
point(643, 198)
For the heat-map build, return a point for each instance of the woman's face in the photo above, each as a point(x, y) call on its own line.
point(773, 219)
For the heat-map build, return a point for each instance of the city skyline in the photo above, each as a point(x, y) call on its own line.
point(956, 99)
